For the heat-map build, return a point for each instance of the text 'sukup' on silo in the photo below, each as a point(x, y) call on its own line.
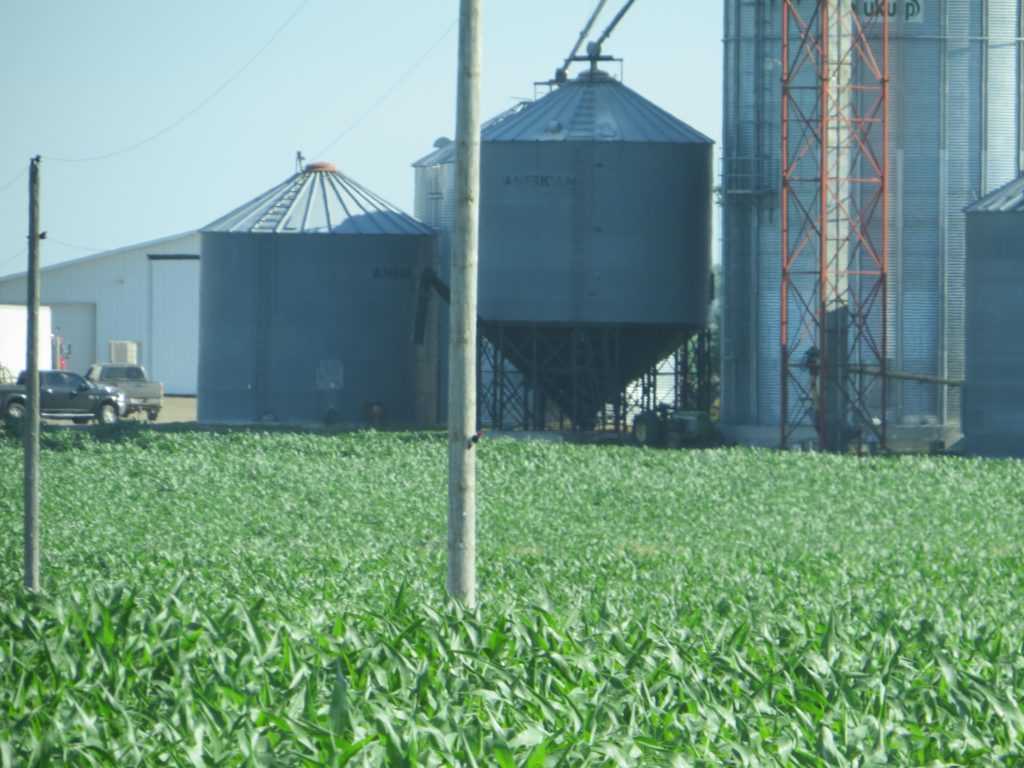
point(308, 299)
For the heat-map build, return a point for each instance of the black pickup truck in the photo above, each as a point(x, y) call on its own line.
point(65, 395)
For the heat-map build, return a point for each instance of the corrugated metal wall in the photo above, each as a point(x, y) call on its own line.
point(751, 266)
point(434, 205)
point(120, 293)
point(611, 232)
point(954, 135)
point(174, 323)
point(280, 314)
point(994, 394)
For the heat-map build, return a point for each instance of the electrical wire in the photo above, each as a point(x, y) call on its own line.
point(388, 92)
point(18, 255)
point(24, 251)
point(196, 108)
point(50, 239)
point(4, 188)
point(11, 183)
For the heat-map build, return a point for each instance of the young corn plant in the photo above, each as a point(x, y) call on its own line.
point(242, 598)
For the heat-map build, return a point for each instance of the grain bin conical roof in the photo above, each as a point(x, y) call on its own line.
point(1008, 198)
point(592, 107)
point(319, 200)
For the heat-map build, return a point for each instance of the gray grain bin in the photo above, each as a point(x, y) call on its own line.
point(595, 237)
point(307, 307)
point(954, 135)
point(993, 408)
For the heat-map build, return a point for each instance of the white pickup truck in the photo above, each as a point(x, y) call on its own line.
point(143, 394)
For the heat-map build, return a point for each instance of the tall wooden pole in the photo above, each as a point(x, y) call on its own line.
point(32, 387)
point(462, 342)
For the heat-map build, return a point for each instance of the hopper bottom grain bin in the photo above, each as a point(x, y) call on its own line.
point(595, 238)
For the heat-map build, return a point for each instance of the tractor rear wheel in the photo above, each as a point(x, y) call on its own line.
point(647, 429)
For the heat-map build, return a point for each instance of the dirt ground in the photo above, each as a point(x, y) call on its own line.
point(175, 411)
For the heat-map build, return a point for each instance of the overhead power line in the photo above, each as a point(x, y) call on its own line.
point(14, 180)
point(21, 254)
point(50, 239)
point(387, 93)
point(18, 255)
point(197, 107)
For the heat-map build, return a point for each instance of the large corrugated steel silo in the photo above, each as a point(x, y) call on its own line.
point(595, 236)
point(954, 135)
point(993, 407)
point(308, 299)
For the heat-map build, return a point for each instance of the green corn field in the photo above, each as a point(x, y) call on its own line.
point(247, 598)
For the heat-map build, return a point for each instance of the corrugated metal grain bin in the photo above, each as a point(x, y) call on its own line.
point(595, 232)
point(993, 409)
point(954, 135)
point(595, 207)
point(308, 297)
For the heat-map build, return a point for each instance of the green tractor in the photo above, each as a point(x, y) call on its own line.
point(667, 428)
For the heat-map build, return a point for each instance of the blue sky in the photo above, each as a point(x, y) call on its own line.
point(368, 86)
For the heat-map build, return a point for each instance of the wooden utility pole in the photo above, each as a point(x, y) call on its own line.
point(462, 427)
point(31, 420)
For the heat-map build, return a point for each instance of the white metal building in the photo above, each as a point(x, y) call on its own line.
point(146, 294)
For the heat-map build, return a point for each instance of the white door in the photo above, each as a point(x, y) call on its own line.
point(173, 353)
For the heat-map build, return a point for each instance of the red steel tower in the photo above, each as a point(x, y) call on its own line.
point(835, 62)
